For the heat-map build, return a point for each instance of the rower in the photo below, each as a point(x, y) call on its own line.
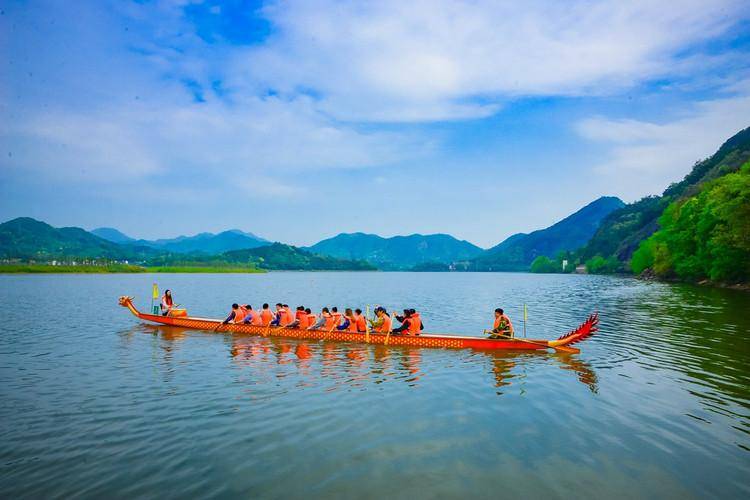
point(348, 320)
point(310, 318)
point(336, 317)
point(249, 314)
point(289, 315)
point(405, 324)
point(324, 321)
point(415, 322)
point(383, 322)
point(239, 315)
point(360, 321)
point(166, 302)
point(265, 315)
point(279, 315)
point(502, 327)
point(233, 314)
point(297, 320)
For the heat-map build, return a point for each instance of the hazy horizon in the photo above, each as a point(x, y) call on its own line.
point(299, 121)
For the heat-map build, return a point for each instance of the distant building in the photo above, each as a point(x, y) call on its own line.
point(581, 269)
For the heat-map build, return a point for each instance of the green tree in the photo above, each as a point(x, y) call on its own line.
point(705, 236)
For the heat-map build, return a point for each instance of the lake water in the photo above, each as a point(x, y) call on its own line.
point(96, 404)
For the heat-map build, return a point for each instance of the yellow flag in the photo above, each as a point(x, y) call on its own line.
point(525, 313)
point(155, 293)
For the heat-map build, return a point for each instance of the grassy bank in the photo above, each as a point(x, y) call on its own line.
point(47, 268)
point(120, 268)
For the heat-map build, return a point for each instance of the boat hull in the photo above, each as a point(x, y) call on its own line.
point(423, 340)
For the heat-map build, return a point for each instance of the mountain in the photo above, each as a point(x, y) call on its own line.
point(623, 230)
point(398, 252)
point(207, 243)
point(112, 234)
point(27, 238)
point(518, 251)
point(286, 257)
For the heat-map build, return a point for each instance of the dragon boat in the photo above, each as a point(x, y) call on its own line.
point(182, 320)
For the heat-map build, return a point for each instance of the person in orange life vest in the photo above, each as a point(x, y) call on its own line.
point(360, 320)
point(279, 315)
point(166, 302)
point(502, 327)
point(415, 322)
point(310, 318)
point(346, 320)
point(336, 315)
point(383, 323)
point(299, 313)
point(232, 314)
point(239, 316)
point(289, 315)
point(249, 314)
point(300, 320)
point(266, 316)
point(324, 321)
point(404, 319)
point(285, 315)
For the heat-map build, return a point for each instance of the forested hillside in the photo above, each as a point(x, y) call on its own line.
point(621, 233)
point(703, 236)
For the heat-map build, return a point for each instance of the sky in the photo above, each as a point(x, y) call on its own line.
point(300, 120)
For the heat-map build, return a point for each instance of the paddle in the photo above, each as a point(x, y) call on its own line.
point(569, 350)
point(367, 324)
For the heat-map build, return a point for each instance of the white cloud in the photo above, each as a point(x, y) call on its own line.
point(430, 60)
point(644, 157)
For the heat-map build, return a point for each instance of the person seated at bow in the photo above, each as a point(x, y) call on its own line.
point(166, 303)
point(502, 327)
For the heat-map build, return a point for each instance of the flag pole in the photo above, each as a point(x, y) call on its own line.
point(154, 295)
point(525, 316)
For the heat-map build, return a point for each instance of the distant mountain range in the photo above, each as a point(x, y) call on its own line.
point(26, 238)
point(518, 251)
point(207, 243)
point(398, 252)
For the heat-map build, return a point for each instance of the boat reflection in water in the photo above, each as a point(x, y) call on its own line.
point(355, 365)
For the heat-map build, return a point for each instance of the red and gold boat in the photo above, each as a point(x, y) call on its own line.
point(587, 328)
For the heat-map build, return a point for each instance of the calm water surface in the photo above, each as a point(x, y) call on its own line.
point(96, 404)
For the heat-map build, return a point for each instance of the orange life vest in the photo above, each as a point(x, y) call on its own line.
point(336, 318)
point(329, 321)
point(385, 326)
point(500, 319)
point(361, 323)
point(302, 317)
point(415, 324)
point(266, 316)
point(257, 320)
point(311, 319)
point(352, 323)
point(239, 314)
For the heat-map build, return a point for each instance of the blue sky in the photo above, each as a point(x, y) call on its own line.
point(300, 120)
